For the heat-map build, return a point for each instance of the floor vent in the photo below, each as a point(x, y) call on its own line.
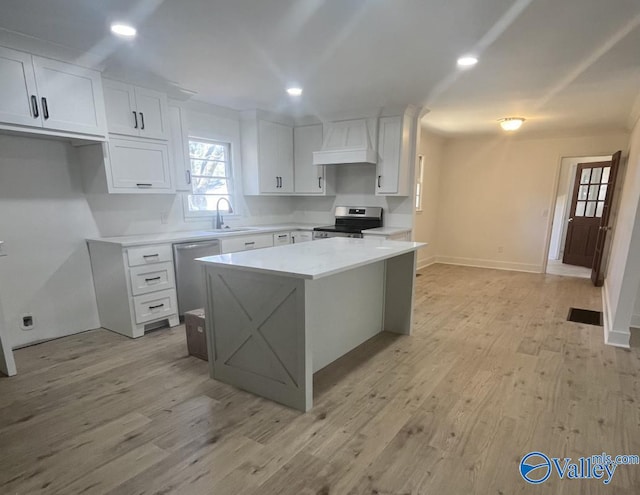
point(585, 316)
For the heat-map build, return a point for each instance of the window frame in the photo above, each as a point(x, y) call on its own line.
point(231, 178)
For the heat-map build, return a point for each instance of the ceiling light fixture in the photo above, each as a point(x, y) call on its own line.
point(511, 123)
point(124, 30)
point(294, 91)
point(467, 61)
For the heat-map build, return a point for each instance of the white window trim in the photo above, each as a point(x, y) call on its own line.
point(199, 215)
point(419, 197)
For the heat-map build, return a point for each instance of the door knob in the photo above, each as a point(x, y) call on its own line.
point(571, 219)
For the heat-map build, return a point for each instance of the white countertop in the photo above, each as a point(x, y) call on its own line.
point(312, 260)
point(387, 230)
point(200, 235)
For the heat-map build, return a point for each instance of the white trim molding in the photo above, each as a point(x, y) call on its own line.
point(612, 336)
point(494, 264)
point(425, 262)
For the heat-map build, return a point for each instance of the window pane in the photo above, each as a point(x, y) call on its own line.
point(208, 168)
point(603, 192)
point(595, 176)
point(582, 192)
point(600, 209)
point(207, 202)
point(580, 208)
point(605, 174)
point(584, 178)
point(593, 192)
point(209, 186)
point(208, 151)
point(591, 209)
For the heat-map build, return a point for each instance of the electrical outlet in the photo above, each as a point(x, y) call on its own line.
point(164, 218)
point(27, 322)
point(2, 251)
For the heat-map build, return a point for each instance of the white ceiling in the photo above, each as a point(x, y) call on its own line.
point(562, 64)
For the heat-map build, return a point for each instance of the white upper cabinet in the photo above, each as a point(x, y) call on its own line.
point(310, 179)
point(179, 145)
point(267, 155)
point(135, 111)
point(275, 157)
point(139, 166)
point(396, 155)
point(71, 97)
point(18, 92)
point(50, 97)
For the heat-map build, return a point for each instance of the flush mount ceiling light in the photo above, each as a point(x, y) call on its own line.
point(124, 30)
point(467, 61)
point(294, 91)
point(511, 123)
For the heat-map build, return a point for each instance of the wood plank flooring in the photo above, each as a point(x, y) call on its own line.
point(492, 372)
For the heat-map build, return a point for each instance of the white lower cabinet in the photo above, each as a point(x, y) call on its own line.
point(301, 236)
point(245, 243)
point(135, 287)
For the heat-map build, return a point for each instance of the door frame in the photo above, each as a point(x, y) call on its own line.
point(591, 157)
point(7, 363)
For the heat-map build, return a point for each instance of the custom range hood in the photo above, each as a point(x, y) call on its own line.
point(349, 141)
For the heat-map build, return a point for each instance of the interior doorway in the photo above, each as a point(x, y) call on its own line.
point(562, 212)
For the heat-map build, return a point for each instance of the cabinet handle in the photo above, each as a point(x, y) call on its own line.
point(249, 243)
point(281, 236)
point(156, 306)
point(277, 182)
point(144, 185)
point(45, 108)
point(135, 120)
point(187, 174)
point(151, 279)
point(150, 255)
point(141, 121)
point(319, 182)
point(34, 106)
point(379, 179)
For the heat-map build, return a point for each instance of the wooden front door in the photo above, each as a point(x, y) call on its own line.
point(587, 207)
point(597, 275)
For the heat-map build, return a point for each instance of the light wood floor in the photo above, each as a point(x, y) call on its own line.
point(492, 372)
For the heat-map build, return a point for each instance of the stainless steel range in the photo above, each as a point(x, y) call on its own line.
point(350, 222)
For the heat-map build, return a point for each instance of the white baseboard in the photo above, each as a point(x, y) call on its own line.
point(612, 337)
point(496, 265)
point(424, 263)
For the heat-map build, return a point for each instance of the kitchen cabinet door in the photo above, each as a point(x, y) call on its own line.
point(389, 143)
point(70, 96)
point(139, 166)
point(179, 145)
point(120, 100)
point(309, 178)
point(153, 113)
point(275, 157)
point(19, 102)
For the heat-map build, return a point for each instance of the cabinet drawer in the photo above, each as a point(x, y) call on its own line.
point(152, 278)
point(281, 238)
point(245, 243)
point(145, 255)
point(155, 306)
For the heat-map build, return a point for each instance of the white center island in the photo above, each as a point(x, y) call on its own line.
point(275, 316)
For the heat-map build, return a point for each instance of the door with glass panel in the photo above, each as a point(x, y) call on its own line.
point(587, 207)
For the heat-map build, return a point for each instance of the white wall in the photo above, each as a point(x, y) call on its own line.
point(497, 192)
point(564, 196)
point(623, 273)
point(426, 221)
point(355, 187)
point(44, 221)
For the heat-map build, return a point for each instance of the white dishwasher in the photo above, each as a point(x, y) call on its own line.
point(189, 274)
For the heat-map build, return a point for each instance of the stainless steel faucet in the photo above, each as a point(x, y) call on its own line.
point(219, 222)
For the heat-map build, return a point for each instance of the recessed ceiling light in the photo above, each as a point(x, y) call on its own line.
point(511, 123)
point(124, 30)
point(467, 61)
point(294, 91)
